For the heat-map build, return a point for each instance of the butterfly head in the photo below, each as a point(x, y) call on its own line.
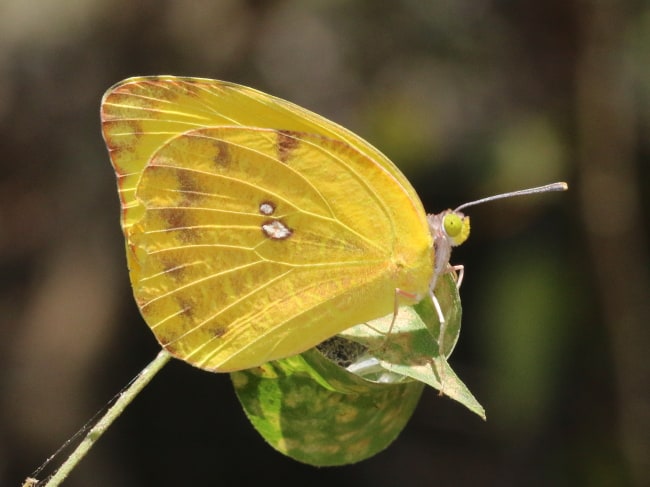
point(448, 228)
point(455, 227)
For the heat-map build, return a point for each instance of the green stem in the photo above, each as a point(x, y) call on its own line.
point(124, 399)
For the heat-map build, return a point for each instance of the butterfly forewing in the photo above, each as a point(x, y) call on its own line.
point(140, 114)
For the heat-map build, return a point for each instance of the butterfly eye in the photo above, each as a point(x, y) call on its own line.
point(456, 226)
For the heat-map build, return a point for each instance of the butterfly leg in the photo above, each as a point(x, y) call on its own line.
point(398, 293)
point(386, 334)
point(441, 319)
point(460, 270)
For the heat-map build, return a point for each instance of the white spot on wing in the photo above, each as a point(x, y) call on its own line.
point(267, 208)
point(276, 230)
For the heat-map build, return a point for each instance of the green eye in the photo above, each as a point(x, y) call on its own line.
point(452, 224)
point(456, 226)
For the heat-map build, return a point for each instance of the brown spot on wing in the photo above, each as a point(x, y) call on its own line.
point(186, 180)
point(287, 143)
point(218, 331)
point(186, 307)
point(178, 220)
point(119, 144)
point(222, 158)
point(175, 217)
point(189, 86)
point(173, 269)
point(188, 185)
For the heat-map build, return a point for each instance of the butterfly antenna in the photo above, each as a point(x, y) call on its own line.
point(540, 189)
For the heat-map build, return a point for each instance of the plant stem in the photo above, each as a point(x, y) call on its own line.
point(124, 399)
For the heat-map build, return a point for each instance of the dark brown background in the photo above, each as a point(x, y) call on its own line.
point(469, 98)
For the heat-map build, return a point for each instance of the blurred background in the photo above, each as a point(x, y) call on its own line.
point(469, 98)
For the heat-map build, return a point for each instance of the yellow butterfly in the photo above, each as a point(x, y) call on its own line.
point(255, 229)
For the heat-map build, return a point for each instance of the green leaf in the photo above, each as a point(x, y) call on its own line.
point(350, 398)
point(316, 412)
